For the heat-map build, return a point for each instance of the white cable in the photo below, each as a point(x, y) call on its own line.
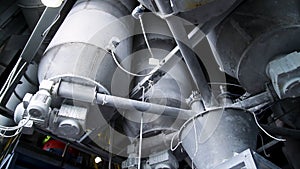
point(141, 133)
point(9, 79)
point(126, 71)
point(143, 93)
point(259, 126)
point(263, 146)
point(193, 163)
point(9, 136)
point(196, 138)
point(184, 125)
point(145, 36)
point(5, 160)
point(150, 86)
point(196, 142)
point(6, 83)
point(140, 143)
point(50, 26)
point(20, 125)
point(172, 140)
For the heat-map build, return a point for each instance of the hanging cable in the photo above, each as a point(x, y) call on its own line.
point(11, 78)
point(141, 132)
point(17, 129)
point(263, 147)
point(262, 129)
point(126, 71)
point(196, 142)
point(51, 25)
point(6, 158)
point(140, 143)
point(145, 36)
point(172, 140)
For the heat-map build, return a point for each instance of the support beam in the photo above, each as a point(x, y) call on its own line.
point(251, 102)
point(49, 16)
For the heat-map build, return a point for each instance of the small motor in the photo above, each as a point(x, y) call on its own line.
point(68, 121)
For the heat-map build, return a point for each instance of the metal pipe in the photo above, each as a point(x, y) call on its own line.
point(266, 146)
point(123, 103)
point(193, 65)
point(293, 133)
point(75, 91)
point(251, 102)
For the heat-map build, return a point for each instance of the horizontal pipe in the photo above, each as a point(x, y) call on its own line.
point(267, 146)
point(285, 132)
point(129, 104)
point(251, 102)
point(88, 94)
point(76, 91)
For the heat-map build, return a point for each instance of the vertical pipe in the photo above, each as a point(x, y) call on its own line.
point(190, 59)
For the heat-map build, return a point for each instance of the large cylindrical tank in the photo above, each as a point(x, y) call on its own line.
point(78, 51)
point(171, 90)
point(257, 32)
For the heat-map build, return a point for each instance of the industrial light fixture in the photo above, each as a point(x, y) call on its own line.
point(52, 3)
point(98, 160)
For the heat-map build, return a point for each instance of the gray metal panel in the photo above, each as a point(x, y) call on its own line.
point(248, 160)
